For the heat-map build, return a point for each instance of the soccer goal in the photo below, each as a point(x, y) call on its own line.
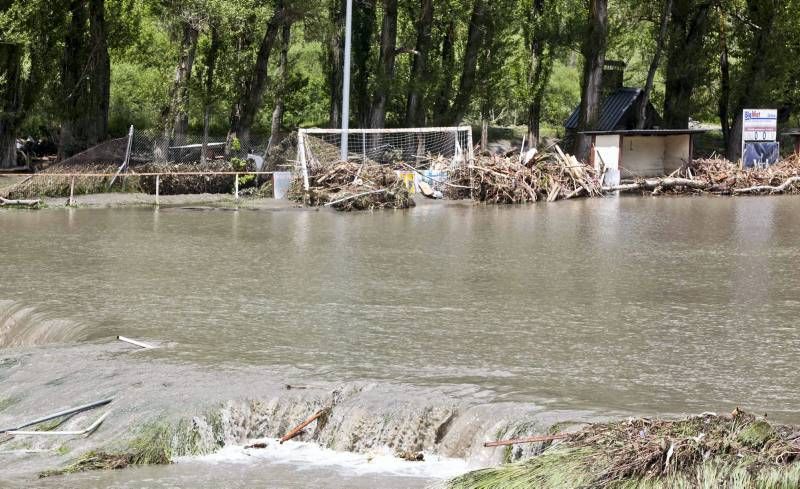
point(429, 149)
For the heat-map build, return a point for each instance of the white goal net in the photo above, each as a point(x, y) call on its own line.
point(430, 150)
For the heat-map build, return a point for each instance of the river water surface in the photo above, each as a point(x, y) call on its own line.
point(622, 305)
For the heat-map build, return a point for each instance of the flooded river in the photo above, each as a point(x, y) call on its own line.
point(616, 306)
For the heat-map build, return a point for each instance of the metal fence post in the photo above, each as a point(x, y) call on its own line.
point(236, 186)
point(158, 188)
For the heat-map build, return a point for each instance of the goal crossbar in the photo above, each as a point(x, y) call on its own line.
point(388, 131)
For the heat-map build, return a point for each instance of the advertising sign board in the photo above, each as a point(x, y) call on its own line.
point(760, 125)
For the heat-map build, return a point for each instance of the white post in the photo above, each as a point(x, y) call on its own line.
point(71, 191)
point(364, 145)
point(158, 187)
point(470, 147)
point(346, 84)
point(236, 186)
point(128, 149)
point(301, 156)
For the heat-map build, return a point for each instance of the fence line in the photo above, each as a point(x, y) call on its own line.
point(184, 173)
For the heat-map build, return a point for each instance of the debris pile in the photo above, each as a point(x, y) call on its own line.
point(348, 186)
point(507, 180)
point(699, 451)
point(187, 184)
point(722, 177)
point(51, 183)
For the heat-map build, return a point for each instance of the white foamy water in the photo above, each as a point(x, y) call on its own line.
point(310, 455)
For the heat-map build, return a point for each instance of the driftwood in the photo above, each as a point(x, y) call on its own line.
point(656, 183)
point(529, 439)
point(768, 189)
point(20, 202)
point(299, 428)
point(140, 344)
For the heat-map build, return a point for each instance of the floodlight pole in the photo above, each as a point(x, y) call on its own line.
point(348, 28)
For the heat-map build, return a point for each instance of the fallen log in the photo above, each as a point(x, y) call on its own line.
point(22, 202)
point(529, 439)
point(654, 183)
point(299, 428)
point(767, 188)
point(351, 197)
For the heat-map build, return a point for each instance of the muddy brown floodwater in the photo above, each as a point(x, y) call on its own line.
point(621, 305)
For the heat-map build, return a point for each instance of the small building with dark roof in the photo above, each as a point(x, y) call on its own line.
point(638, 153)
point(618, 112)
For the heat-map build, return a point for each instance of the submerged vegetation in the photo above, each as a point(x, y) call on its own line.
point(153, 446)
point(709, 451)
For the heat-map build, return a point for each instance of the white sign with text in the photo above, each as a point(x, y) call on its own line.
point(760, 125)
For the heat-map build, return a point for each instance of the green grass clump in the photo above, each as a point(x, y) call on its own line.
point(153, 446)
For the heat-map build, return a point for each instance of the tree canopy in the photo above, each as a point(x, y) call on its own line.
point(83, 70)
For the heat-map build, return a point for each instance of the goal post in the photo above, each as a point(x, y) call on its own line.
point(423, 148)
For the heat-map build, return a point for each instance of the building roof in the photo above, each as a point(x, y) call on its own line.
point(611, 112)
point(646, 132)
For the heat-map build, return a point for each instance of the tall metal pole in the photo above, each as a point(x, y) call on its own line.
point(346, 84)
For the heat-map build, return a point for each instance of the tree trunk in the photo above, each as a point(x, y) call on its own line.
point(249, 101)
point(86, 79)
point(755, 72)
point(208, 86)
point(386, 63)
point(541, 67)
point(687, 29)
point(335, 62)
point(725, 83)
point(363, 28)
point(594, 54)
point(420, 78)
point(441, 106)
point(283, 81)
point(474, 42)
point(10, 101)
point(176, 117)
point(644, 100)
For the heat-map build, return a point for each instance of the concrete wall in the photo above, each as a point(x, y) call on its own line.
point(642, 156)
point(677, 151)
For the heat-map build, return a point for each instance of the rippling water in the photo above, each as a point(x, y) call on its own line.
point(648, 305)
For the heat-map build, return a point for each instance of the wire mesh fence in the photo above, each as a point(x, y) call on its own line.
point(74, 185)
point(430, 154)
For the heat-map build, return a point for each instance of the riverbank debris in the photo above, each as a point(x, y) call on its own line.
point(60, 414)
point(547, 176)
point(140, 344)
point(294, 432)
point(349, 186)
point(411, 456)
point(721, 177)
point(698, 451)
